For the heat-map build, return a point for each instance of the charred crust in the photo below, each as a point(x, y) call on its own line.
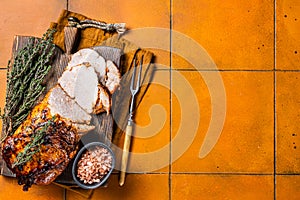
point(60, 138)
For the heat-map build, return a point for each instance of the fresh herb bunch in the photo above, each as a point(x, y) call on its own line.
point(37, 138)
point(25, 76)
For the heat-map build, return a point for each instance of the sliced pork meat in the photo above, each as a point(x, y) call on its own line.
point(107, 72)
point(104, 100)
point(91, 56)
point(81, 83)
point(68, 79)
point(86, 88)
point(113, 76)
point(60, 103)
point(83, 128)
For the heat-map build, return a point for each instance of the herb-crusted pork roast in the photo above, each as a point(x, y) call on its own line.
point(41, 148)
point(43, 145)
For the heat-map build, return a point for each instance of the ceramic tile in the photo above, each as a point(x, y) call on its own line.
point(232, 34)
point(152, 132)
point(11, 190)
point(138, 186)
point(288, 34)
point(245, 141)
point(215, 187)
point(30, 18)
point(136, 14)
point(288, 135)
point(161, 58)
point(2, 91)
point(288, 187)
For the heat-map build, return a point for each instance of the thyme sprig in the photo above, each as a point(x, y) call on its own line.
point(1, 115)
point(37, 138)
point(25, 77)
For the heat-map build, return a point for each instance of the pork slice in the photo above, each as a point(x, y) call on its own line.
point(83, 128)
point(104, 100)
point(60, 103)
point(67, 80)
point(113, 76)
point(86, 88)
point(93, 57)
point(107, 72)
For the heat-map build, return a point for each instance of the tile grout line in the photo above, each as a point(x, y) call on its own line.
point(226, 174)
point(218, 173)
point(224, 70)
point(274, 104)
point(170, 97)
point(283, 174)
point(227, 70)
point(67, 5)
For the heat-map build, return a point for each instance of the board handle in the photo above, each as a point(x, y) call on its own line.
point(71, 36)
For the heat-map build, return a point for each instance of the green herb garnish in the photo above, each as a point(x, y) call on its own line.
point(34, 145)
point(25, 76)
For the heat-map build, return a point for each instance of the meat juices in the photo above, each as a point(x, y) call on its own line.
point(84, 88)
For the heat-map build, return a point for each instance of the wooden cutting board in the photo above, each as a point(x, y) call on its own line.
point(103, 122)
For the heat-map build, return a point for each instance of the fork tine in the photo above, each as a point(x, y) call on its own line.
point(138, 85)
point(133, 75)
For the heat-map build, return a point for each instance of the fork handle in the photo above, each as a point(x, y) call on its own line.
point(125, 154)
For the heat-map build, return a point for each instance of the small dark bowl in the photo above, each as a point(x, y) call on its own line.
point(85, 148)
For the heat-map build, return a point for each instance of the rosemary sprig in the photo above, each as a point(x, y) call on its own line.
point(37, 138)
point(25, 76)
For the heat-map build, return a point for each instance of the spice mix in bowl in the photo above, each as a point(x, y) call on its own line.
point(93, 165)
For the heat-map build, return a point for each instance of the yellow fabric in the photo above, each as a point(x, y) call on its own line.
point(93, 37)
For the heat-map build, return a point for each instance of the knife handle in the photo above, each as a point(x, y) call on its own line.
point(125, 154)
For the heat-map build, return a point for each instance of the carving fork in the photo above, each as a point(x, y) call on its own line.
point(134, 88)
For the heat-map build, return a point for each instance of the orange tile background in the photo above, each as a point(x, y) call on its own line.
point(253, 46)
